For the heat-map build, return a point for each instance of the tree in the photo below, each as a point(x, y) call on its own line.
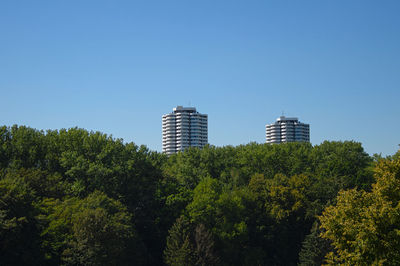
point(19, 232)
point(96, 230)
point(73, 196)
point(202, 208)
point(341, 165)
point(287, 203)
point(179, 250)
point(364, 226)
point(205, 252)
point(41, 182)
point(189, 245)
point(314, 248)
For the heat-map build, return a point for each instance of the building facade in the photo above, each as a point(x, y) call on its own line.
point(287, 129)
point(183, 128)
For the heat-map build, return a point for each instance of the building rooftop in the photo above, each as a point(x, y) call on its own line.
point(284, 118)
point(180, 108)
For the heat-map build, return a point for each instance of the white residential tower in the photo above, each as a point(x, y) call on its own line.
point(287, 129)
point(183, 128)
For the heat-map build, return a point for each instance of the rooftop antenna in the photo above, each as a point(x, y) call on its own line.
point(283, 113)
point(190, 104)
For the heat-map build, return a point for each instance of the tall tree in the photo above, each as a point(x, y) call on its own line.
point(179, 250)
point(314, 248)
point(205, 250)
point(363, 226)
point(19, 231)
point(96, 230)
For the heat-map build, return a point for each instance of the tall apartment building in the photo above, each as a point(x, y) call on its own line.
point(183, 128)
point(287, 129)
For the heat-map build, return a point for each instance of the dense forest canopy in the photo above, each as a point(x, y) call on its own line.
point(73, 197)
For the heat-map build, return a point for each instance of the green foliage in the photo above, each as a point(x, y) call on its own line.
point(91, 231)
point(62, 167)
point(226, 214)
point(101, 233)
point(202, 208)
point(79, 197)
point(18, 228)
point(287, 204)
point(41, 182)
point(314, 248)
point(287, 196)
point(56, 219)
point(205, 252)
point(285, 187)
point(179, 250)
point(363, 226)
point(190, 245)
point(343, 165)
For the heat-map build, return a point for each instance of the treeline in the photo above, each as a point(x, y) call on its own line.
point(73, 197)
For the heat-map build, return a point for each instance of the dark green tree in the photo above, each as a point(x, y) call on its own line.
point(19, 232)
point(205, 250)
point(314, 248)
point(179, 250)
point(96, 230)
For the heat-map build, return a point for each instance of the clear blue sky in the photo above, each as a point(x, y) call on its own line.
point(117, 66)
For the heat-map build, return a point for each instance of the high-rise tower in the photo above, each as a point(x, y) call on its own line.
point(183, 128)
point(287, 129)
